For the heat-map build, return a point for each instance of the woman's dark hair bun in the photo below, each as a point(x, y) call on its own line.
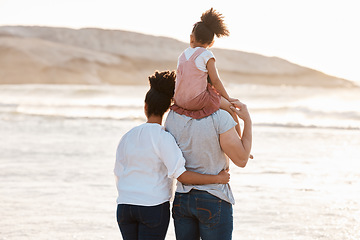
point(163, 82)
point(159, 97)
point(215, 22)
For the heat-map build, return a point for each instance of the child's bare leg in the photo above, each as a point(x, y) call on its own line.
point(225, 105)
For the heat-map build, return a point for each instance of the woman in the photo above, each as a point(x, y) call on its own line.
point(147, 161)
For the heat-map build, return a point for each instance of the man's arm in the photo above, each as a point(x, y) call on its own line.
point(195, 178)
point(236, 148)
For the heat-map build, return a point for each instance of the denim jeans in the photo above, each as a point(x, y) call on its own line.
point(199, 214)
point(143, 222)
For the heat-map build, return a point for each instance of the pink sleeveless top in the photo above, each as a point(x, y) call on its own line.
point(194, 96)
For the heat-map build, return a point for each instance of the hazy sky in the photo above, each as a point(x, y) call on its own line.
point(320, 34)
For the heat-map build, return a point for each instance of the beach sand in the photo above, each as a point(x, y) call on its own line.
point(56, 178)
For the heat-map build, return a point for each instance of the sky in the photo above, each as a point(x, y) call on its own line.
point(319, 34)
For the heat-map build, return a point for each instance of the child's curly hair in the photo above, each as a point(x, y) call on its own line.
point(159, 97)
point(212, 23)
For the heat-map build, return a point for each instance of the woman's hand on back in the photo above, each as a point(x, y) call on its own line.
point(224, 176)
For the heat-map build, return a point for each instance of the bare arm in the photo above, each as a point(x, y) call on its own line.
point(195, 178)
point(236, 148)
point(215, 79)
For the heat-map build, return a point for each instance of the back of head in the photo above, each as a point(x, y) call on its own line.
point(159, 97)
point(212, 23)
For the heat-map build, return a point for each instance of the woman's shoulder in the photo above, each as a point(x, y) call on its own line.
point(145, 127)
point(157, 129)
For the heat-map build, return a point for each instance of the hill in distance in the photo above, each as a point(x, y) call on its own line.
point(47, 55)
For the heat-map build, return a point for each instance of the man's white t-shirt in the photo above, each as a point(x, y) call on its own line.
point(147, 162)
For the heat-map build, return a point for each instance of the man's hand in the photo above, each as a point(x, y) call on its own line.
point(241, 110)
point(233, 100)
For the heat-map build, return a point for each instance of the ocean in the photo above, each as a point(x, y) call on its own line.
point(58, 145)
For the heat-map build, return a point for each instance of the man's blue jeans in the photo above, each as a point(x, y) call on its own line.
point(199, 214)
point(143, 222)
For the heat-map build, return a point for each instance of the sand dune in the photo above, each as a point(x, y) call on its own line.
point(97, 56)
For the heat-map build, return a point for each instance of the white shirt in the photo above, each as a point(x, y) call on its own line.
point(201, 60)
point(147, 162)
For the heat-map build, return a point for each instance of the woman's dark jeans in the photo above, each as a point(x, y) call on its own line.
point(199, 214)
point(143, 222)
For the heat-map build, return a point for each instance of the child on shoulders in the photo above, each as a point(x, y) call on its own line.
point(199, 91)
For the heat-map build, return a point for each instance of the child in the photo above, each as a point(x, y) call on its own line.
point(196, 95)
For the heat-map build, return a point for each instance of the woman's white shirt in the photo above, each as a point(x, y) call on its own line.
point(147, 162)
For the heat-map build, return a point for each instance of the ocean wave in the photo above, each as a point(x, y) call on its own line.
point(314, 113)
point(75, 111)
point(270, 107)
point(131, 114)
point(14, 114)
point(299, 125)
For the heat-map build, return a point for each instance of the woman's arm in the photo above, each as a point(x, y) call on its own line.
point(195, 178)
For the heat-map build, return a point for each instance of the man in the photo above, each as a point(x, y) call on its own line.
point(206, 210)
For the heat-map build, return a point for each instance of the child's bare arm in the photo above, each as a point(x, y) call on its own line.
point(215, 79)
